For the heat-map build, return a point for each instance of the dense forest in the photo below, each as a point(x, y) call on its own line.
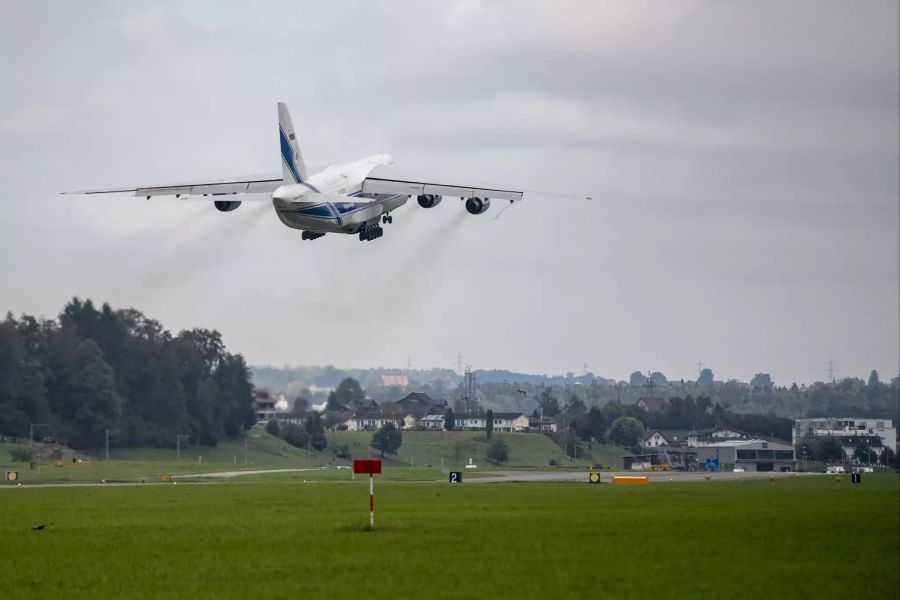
point(90, 370)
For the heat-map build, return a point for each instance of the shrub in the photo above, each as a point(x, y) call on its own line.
point(295, 435)
point(341, 451)
point(21, 455)
point(498, 452)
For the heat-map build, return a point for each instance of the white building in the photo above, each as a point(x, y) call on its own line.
point(432, 422)
point(466, 422)
point(370, 420)
point(851, 431)
point(712, 436)
point(654, 439)
point(510, 422)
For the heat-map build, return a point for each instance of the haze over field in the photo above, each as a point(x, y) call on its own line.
point(742, 160)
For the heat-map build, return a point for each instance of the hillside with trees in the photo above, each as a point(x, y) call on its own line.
point(91, 370)
point(507, 391)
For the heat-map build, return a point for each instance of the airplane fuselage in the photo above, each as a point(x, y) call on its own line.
point(333, 201)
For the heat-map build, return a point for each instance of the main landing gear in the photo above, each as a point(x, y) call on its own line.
point(311, 235)
point(370, 232)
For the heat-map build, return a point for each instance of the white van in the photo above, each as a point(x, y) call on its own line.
point(834, 469)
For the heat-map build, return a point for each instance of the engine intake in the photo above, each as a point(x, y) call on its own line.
point(429, 200)
point(226, 205)
point(476, 206)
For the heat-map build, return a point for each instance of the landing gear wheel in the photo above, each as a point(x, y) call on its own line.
point(370, 232)
point(390, 219)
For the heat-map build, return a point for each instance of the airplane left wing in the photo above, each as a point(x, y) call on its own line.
point(220, 187)
point(387, 179)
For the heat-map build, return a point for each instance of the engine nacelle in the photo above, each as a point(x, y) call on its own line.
point(476, 206)
point(226, 205)
point(429, 200)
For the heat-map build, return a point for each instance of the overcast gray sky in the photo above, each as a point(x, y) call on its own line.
point(742, 159)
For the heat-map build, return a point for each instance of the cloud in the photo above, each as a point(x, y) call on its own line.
point(743, 161)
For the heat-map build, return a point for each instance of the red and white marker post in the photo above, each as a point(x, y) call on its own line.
point(372, 466)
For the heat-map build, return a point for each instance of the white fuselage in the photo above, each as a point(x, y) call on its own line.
point(333, 201)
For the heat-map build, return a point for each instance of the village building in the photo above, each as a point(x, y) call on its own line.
point(654, 439)
point(264, 406)
point(535, 424)
point(713, 435)
point(401, 381)
point(651, 403)
point(876, 434)
point(749, 455)
point(510, 422)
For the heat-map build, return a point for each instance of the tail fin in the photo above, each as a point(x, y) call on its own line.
point(293, 169)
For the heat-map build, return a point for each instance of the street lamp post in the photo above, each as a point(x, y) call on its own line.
point(31, 427)
point(108, 433)
point(178, 438)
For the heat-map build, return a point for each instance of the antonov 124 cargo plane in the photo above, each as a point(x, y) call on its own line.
point(354, 198)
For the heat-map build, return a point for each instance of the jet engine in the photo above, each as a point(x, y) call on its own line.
point(476, 206)
point(226, 205)
point(429, 200)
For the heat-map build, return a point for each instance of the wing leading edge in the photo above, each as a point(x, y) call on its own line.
point(226, 186)
point(387, 179)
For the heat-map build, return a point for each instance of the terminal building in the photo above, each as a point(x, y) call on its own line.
point(750, 455)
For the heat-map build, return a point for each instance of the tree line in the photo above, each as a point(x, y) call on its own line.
point(92, 372)
point(869, 398)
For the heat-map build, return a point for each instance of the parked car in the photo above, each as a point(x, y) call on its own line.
point(835, 469)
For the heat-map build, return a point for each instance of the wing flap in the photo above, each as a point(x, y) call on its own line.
point(449, 190)
point(378, 186)
point(230, 185)
point(386, 179)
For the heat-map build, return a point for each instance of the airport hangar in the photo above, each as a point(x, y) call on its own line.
point(750, 455)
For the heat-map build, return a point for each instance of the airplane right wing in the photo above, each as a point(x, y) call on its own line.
point(387, 179)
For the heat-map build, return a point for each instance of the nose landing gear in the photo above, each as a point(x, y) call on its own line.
point(387, 219)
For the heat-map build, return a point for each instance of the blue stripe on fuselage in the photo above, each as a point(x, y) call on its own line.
point(319, 210)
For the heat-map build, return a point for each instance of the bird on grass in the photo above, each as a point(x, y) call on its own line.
point(40, 527)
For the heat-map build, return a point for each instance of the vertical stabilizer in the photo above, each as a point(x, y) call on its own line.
point(293, 169)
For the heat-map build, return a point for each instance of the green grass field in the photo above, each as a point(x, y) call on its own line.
point(456, 447)
point(803, 537)
point(263, 451)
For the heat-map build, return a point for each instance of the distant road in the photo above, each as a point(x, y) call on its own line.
point(483, 477)
point(239, 473)
point(606, 476)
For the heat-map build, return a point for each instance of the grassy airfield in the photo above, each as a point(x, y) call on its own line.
point(802, 537)
point(426, 451)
